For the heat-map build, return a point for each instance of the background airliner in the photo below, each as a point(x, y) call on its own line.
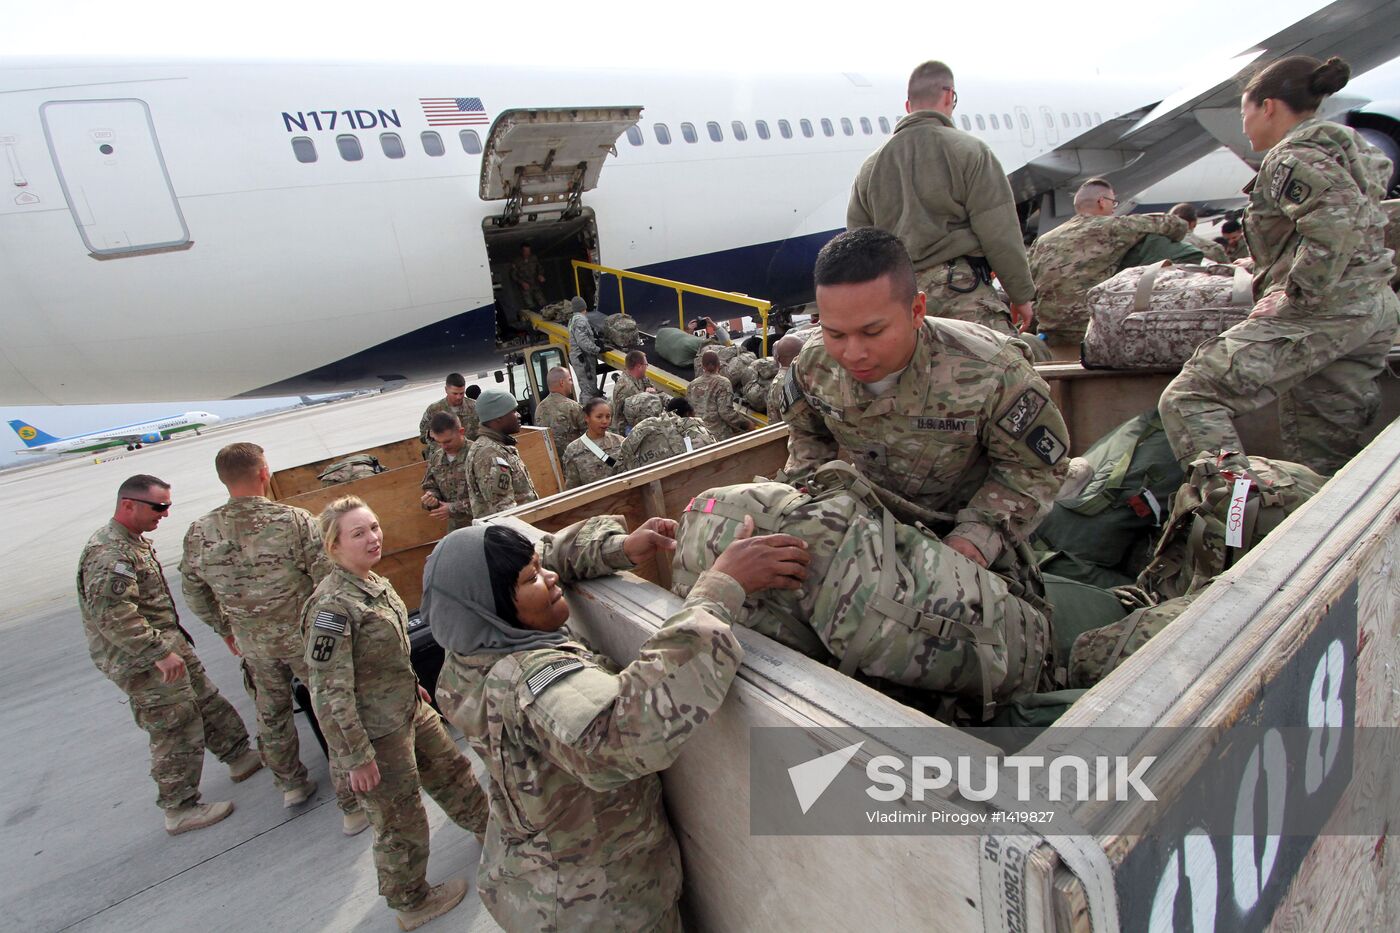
point(131, 436)
point(176, 231)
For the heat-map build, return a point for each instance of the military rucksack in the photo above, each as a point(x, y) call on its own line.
point(739, 370)
point(620, 330)
point(1156, 316)
point(1193, 549)
point(884, 598)
point(559, 312)
point(1113, 523)
point(725, 354)
point(1099, 651)
point(756, 392)
point(662, 436)
point(351, 468)
point(641, 406)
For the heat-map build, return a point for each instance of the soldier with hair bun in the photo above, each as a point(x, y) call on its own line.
point(1325, 315)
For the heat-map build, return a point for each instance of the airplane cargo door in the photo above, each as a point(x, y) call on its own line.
point(113, 174)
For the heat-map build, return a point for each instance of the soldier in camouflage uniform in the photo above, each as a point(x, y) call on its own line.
point(594, 455)
point(1210, 250)
point(578, 838)
point(455, 402)
point(1232, 240)
point(1325, 315)
point(135, 638)
point(945, 195)
point(380, 729)
point(584, 349)
point(559, 412)
point(248, 567)
point(661, 434)
point(1084, 251)
point(784, 352)
point(712, 396)
point(1392, 239)
point(526, 274)
point(496, 476)
point(947, 415)
point(444, 484)
point(629, 383)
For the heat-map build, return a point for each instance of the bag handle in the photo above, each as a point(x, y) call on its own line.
point(1243, 294)
point(1142, 298)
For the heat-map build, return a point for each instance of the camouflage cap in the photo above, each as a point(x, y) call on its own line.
point(493, 404)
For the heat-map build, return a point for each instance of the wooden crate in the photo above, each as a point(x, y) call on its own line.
point(293, 481)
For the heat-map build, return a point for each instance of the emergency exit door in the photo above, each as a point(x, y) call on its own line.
point(113, 174)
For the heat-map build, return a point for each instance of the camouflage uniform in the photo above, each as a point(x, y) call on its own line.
point(1079, 254)
point(945, 195)
point(775, 395)
point(248, 567)
point(366, 698)
point(1392, 238)
point(582, 466)
point(1315, 229)
point(969, 428)
point(525, 271)
point(642, 406)
point(1211, 250)
point(446, 480)
point(466, 413)
point(579, 838)
point(712, 397)
point(625, 387)
point(1240, 250)
point(496, 476)
point(564, 418)
point(130, 621)
point(583, 355)
point(663, 436)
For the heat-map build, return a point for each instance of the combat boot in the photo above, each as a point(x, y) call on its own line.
point(299, 794)
point(197, 816)
point(442, 898)
point(245, 766)
point(354, 823)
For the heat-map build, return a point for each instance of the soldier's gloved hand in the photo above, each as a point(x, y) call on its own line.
point(1023, 316)
point(171, 667)
point(966, 548)
point(232, 646)
point(655, 534)
point(769, 562)
point(365, 778)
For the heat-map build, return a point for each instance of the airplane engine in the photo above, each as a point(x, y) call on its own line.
point(152, 438)
point(1379, 123)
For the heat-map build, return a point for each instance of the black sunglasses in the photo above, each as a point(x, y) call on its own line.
point(157, 506)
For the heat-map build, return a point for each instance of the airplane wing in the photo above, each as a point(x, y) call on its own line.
point(1140, 148)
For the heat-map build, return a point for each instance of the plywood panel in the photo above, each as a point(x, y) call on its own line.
point(395, 496)
point(536, 447)
point(296, 480)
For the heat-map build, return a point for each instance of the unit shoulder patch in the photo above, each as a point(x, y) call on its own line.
point(1045, 445)
point(323, 648)
point(1022, 413)
point(550, 673)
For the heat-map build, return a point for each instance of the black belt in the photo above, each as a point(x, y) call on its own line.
point(981, 273)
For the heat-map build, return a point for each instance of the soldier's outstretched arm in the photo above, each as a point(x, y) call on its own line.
point(1325, 205)
point(330, 668)
point(199, 596)
point(1027, 444)
point(591, 548)
point(1167, 225)
point(810, 443)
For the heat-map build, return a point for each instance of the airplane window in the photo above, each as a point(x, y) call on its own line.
point(634, 135)
point(432, 143)
point(785, 129)
point(996, 125)
point(392, 145)
point(1076, 120)
point(740, 132)
point(1025, 122)
point(967, 124)
point(716, 134)
point(688, 133)
point(1049, 119)
point(1064, 118)
point(762, 127)
point(847, 126)
point(884, 125)
point(1097, 118)
point(303, 148)
point(1006, 120)
point(981, 124)
point(663, 132)
point(865, 126)
point(349, 147)
point(806, 127)
point(827, 128)
point(471, 143)
point(1087, 121)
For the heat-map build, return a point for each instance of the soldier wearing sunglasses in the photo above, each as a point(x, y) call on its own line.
point(135, 638)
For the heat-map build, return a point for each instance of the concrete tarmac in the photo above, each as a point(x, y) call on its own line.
point(84, 846)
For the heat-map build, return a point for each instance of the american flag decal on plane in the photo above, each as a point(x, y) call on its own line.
point(453, 111)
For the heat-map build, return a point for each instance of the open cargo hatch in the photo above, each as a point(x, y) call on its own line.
point(544, 160)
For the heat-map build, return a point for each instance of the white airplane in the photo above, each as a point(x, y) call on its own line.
point(133, 436)
point(176, 230)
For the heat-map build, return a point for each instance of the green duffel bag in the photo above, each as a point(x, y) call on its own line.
point(1035, 710)
point(1078, 607)
point(1069, 567)
point(677, 347)
point(1135, 475)
point(1100, 651)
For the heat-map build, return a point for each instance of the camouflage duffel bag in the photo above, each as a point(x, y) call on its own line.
point(1099, 651)
point(1156, 316)
point(725, 354)
point(756, 392)
point(740, 370)
point(620, 330)
point(351, 468)
point(559, 312)
point(1193, 549)
point(884, 598)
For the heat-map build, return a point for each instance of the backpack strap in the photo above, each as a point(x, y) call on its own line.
point(1121, 645)
point(880, 604)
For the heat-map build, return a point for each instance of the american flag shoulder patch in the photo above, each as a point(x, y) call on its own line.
point(124, 569)
point(540, 680)
point(332, 622)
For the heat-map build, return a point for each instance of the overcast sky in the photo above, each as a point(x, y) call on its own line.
point(1094, 39)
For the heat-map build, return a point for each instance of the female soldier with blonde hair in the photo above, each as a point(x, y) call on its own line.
point(379, 726)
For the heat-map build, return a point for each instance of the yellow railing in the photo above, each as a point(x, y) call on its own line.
point(681, 289)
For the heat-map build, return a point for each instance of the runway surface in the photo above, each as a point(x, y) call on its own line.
point(84, 844)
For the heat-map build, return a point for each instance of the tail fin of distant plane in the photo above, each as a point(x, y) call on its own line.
point(31, 435)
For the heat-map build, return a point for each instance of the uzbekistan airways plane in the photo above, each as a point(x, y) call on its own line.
point(177, 230)
point(134, 436)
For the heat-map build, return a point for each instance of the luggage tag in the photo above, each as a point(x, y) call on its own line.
point(1234, 518)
